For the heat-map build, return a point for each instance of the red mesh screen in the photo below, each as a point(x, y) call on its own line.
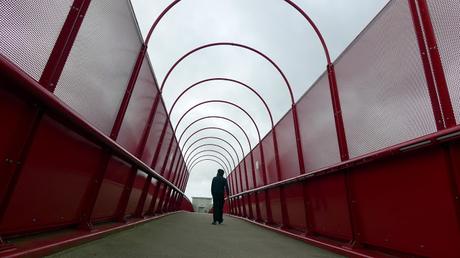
point(382, 86)
point(100, 63)
point(258, 166)
point(287, 147)
point(269, 155)
point(28, 35)
point(154, 135)
point(445, 15)
point(138, 110)
point(249, 171)
point(163, 151)
point(317, 127)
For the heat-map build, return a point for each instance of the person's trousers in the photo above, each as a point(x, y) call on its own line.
point(218, 207)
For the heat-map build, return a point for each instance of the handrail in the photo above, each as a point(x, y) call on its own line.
point(426, 141)
point(66, 114)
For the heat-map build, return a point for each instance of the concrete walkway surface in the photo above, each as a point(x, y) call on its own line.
point(192, 235)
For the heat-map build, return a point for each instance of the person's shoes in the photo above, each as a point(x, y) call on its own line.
point(214, 223)
point(220, 222)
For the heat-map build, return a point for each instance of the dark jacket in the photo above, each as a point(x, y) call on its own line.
point(219, 186)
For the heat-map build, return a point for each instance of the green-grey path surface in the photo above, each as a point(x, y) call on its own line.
point(192, 235)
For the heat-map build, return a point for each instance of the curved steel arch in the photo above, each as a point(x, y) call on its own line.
point(216, 128)
point(245, 134)
point(203, 161)
point(218, 117)
point(228, 80)
point(210, 137)
point(224, 102)
point(286, 81)
point(194, 158)
point(214, 138)
point(214, 145)
point(296, 7)
point(211, 155)
point(207, 155)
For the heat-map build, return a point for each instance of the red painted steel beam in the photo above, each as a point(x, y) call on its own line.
point(432, 64)
point(438, 70)
point(61, 50)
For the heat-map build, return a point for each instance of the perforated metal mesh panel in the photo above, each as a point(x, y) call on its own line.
point(382, 87)
point(28, 31)
point(97, 71)
point(317, 127)
point(445, 15)
point(138, 110)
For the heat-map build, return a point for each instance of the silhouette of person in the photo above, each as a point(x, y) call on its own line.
point(219, 187)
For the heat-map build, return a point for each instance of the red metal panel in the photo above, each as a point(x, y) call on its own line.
point(317, 128)
point(287, 146)
point(250, 182)
point(259, 172)
point(154, 135)
point(164, 151)
point(171, 173)
point(269, 154)
point(275, 204)
point(406, 204)
point(94, 87)
point(383, 90)
point(244, 175)
point(329, 213)
point(138, 109)
point(19, 115)
point(111, 189)
point(295, 206)
point(56, 158)
point(36, 26)
point(444, 14)
point(136, 192)
point(262, 206)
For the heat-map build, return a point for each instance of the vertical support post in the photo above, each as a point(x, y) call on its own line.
point(264, 169)
point(143, 197)
point(355, 242)
point(250, 215)
point(160, 143)
point(61, 50)
point(128, 93)
point(432, 64)
point(258, 216)
point(123, 202)
point(339, 126)
point(284, 215)
point(151, 210)
point(167, 173)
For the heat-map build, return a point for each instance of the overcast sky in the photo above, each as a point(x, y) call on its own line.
point(271, 26)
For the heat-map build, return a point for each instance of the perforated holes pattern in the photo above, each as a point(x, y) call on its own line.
point(445, 15)
point(100, 63)
point(382, 87)
point(28, 31)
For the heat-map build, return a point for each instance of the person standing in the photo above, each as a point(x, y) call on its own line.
point(219, 187)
